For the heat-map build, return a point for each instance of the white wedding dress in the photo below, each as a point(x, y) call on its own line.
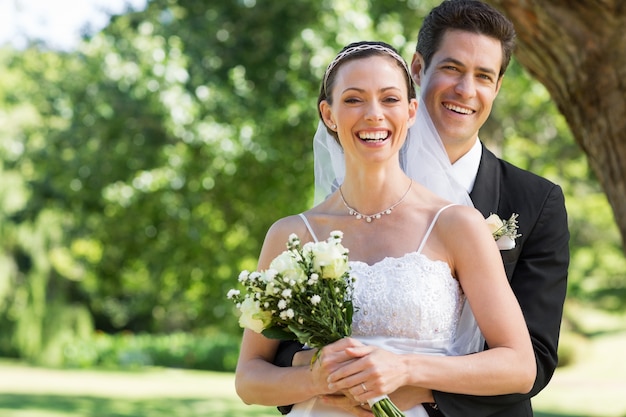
point(409, 304)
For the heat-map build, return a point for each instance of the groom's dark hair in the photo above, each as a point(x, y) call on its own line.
point(470, 16)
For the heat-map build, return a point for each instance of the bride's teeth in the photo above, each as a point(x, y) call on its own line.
point(373, 135)
point(458, 109)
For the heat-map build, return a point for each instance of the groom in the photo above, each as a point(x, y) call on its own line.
point(463, 50)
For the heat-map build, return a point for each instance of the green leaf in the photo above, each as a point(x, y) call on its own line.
point(278, 333)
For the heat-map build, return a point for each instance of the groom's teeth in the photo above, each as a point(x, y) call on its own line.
point(458, 109)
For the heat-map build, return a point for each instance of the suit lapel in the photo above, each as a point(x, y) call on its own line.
point(486, 192)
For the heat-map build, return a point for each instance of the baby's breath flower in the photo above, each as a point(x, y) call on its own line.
point(243, 275)
point(294, 240)
point(337, 234)
point(286, 293)
point(286, 314)
point(315, 300)
point(282, 304)
point(233, 293)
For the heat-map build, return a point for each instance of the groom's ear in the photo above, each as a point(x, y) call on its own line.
point(499, 84)
point(417, 64)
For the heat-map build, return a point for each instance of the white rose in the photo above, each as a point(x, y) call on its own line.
point(252, 317)
point(495, 223)
point(329, 258)
point(505, 243)
point(288, 267)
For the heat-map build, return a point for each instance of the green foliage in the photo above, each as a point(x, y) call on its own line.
point(530, 132)
point(140, 173)
point(214, 351)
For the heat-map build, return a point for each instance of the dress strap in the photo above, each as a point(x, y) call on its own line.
point(308, 226)
point(432, 225)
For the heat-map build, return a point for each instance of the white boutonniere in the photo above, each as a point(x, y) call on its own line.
point(503, 231)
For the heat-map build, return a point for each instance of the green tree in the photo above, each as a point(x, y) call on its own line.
point(139, 173)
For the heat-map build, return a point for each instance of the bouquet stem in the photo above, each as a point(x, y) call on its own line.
point(384, 407)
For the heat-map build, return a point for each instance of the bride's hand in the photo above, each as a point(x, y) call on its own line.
point(372, 373)
point(331, 358)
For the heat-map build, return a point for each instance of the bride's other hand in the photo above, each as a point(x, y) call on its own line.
point(348, 404)
point(335, 355)
point(334, 352)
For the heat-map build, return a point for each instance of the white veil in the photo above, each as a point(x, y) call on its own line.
point(329, 163)
point(424, 159)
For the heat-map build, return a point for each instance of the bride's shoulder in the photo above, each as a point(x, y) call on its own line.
point(277, 236)
point(461, 220)
point(282, 228)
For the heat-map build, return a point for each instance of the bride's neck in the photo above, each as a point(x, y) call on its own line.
point(372, 194)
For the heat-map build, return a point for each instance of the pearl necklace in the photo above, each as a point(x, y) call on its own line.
point(369, 218)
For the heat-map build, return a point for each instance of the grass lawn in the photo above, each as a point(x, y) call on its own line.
point(594, 387)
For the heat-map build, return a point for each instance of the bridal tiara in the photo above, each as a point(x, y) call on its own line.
point(365, 47)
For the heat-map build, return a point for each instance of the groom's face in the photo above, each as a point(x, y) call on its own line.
point(459, 87)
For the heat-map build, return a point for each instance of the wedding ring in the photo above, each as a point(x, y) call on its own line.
point(363, 386)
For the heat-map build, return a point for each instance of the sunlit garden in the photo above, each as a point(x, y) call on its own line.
point(141, 168)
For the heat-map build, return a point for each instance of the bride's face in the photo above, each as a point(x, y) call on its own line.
point(370, 107)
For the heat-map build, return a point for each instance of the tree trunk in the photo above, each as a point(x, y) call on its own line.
point(577, 50)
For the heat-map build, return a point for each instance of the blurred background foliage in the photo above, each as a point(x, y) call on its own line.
point(140, 172)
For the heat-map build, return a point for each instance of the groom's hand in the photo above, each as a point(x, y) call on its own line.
point(408, 397)
point(404, 398)
point(348, 404)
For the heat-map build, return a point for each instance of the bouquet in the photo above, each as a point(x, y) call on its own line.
point(305, 295)
point(503, 231)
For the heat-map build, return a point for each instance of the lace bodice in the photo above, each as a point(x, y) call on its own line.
point(410, 297)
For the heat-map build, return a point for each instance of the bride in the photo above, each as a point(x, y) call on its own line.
point(420, 262)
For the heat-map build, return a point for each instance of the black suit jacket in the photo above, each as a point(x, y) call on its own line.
point(536, 268)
